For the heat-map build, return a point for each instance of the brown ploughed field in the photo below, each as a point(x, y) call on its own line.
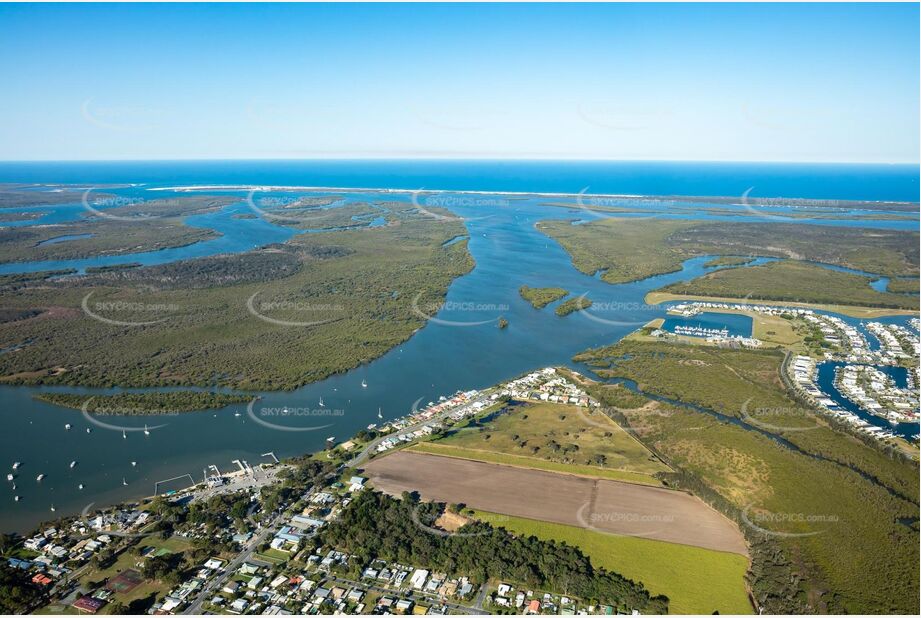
point(597, 504)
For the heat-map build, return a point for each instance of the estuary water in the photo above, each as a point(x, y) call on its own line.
point(460, 348)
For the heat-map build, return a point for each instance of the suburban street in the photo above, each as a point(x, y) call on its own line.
point(371, 447)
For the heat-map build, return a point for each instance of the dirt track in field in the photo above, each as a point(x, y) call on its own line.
point(597, 504)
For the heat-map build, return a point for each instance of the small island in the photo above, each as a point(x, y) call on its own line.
point(573, 304)
point(136, 404)
point(541, 297)
point(729, 260)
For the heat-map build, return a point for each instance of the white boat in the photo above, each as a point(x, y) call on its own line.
point(9, 477)
point(80, 486)
point(322, 405)
point(364, 384)
point(16, 464)
point(146, 431)
point(89, 430)
point(331, 439)
point(73, 463)
point(134, 464)
point(237, 414)
point(67, 426)
point(124, 435)
point(16, 498)
point(372, 426)
point(124, 482)
point(52, 508)
point(379, 414)
point(39, 477)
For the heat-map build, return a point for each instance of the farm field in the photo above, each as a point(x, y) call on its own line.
point(695, 580)
point(861, 498)
point(521, 461)
point(562, 434)
point(609, 506)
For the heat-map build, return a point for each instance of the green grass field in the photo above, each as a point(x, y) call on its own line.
point(437, 448)
point(863, 555)
point(556, 437)
point(127, 560)
point(696, 581)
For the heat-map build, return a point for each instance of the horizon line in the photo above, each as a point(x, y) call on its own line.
point(456, 159)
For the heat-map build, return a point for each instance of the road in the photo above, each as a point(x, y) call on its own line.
point(355, 461)
point(427, 596)
point(257, 540)
point(231, 567)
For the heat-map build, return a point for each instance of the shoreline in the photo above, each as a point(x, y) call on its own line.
point(741, 199)
point(854, 311)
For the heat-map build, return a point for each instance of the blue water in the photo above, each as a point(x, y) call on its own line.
point(827, 181)
point(440, 358)
point(737, 325)
point(826, 383)
point(64, 238)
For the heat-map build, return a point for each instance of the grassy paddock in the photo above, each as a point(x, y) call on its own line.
point(444, 450)
point(556, 437)
point(696, 581)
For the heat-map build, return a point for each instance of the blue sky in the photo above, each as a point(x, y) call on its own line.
point(786, 82)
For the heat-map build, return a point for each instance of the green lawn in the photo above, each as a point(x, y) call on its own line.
point(275, 556)
point(127, 559)
point(696, 581)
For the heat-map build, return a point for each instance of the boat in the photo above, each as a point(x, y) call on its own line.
point(124, 482)
point(52, 508)
point(67, 426)
point(39, 477)
point(322, 405)
point(237, 414)
point(124, 435)
point(73, 463)
point(89, 430)
point(134, 464)
point(9, 477)
point(80, 486)
point(16, 464)
point(146, 431)
point(331, 439)
point(372, 426)
point(364, 384)
point(16, 498)
point(379, 414)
